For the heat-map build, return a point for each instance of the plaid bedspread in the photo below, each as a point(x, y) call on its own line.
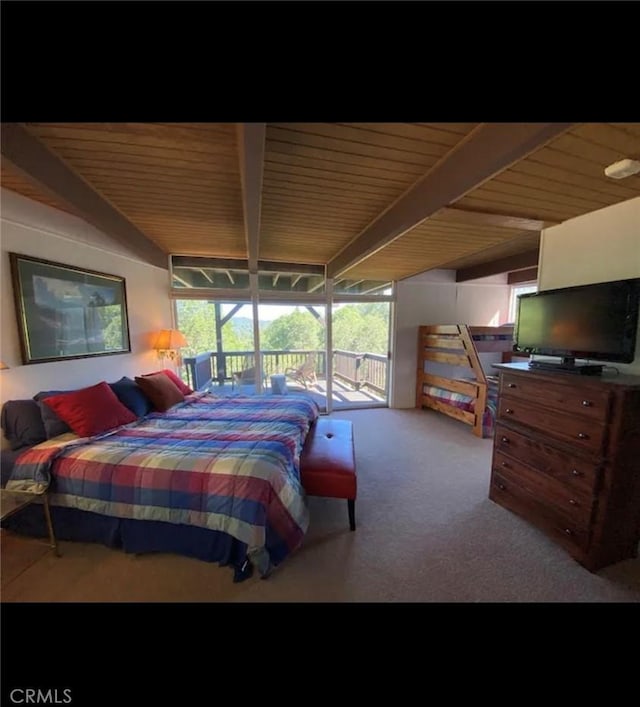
point(228, 464)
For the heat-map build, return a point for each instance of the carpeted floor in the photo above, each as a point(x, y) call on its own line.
point(427, 532)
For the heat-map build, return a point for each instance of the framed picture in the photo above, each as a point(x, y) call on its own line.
point(66, 312)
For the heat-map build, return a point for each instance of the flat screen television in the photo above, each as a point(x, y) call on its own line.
point(598, 321)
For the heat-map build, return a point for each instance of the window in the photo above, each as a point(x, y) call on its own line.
point(287, 310)
point(290, 278)
point(517, 290)
point(355, 287)
point(194, 272)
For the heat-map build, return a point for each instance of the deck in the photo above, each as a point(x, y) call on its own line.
point(359, 379)
point(343, 395)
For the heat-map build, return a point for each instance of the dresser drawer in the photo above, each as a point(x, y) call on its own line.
point(579, 474)
point(581, 432)
point(572, 503)
point(567, 398)
point(566, 457)
point(516, 498)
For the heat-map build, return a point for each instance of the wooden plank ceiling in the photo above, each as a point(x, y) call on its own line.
point(335, 193)
point(15, 181)
point(178, 184)
point(325, 182)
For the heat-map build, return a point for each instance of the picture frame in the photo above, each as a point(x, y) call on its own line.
point(65, 312)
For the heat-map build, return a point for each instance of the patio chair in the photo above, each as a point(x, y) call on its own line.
point(305, 373)
point(246, 375)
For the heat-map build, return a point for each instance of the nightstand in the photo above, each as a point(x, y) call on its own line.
point(14, 501)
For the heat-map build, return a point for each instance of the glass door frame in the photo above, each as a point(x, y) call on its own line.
point(326, 299)
point(364, 299)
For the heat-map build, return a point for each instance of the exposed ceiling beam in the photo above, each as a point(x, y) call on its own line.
point(48, 172)
point(482, 218)
point(521, 261)
point(251, 148)
point(523, 241)
point(295, 280)
point(230, 276)
point(528, 275)
point(206, 274)
point(488, 150)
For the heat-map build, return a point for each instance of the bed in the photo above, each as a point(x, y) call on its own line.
point(451, 378)
point(215, 478)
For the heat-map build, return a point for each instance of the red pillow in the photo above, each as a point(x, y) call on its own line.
point(180, 385)
point(90, 411)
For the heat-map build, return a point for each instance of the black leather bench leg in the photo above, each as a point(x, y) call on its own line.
point(352, 513)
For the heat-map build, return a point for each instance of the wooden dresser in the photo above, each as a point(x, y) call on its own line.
point(566, 457)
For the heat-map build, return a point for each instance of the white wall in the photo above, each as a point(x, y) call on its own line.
point(435, 298)
point(30, 228)
point(597, 247)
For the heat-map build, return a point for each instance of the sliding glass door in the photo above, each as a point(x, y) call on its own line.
point(224, 330)
point(284, 328)
point(360, 354)
point(293, 349)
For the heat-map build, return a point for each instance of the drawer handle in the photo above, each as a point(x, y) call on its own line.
point(505, 440)
point(582, 435)
point(505, 465)
point(509, 411)
point(587, 403)
point(568, 531)
point(575, 472)
point(573, 502)
point(511, 385)
point(502, 487)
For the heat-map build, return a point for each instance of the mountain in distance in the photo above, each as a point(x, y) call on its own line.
point(244, 325)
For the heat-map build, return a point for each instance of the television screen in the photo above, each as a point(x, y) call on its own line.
point(598, 321)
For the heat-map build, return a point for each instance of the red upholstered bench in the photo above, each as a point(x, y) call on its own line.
point(328, 463)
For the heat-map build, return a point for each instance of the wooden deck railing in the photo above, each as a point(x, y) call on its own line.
point(358, 370)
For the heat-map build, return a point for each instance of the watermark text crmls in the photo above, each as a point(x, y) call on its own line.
point(39, 696)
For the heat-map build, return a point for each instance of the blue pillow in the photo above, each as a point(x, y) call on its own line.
point(22, 423)
point(53, 425)
point(130, 394)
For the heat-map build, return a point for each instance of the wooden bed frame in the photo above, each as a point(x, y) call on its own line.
point(459, 345)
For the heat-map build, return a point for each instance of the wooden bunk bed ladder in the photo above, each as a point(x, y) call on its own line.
point(454, 344)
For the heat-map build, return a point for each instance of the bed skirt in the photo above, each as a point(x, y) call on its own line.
point(135, 536)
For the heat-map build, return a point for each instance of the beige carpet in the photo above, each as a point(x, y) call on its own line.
point(427, 532)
